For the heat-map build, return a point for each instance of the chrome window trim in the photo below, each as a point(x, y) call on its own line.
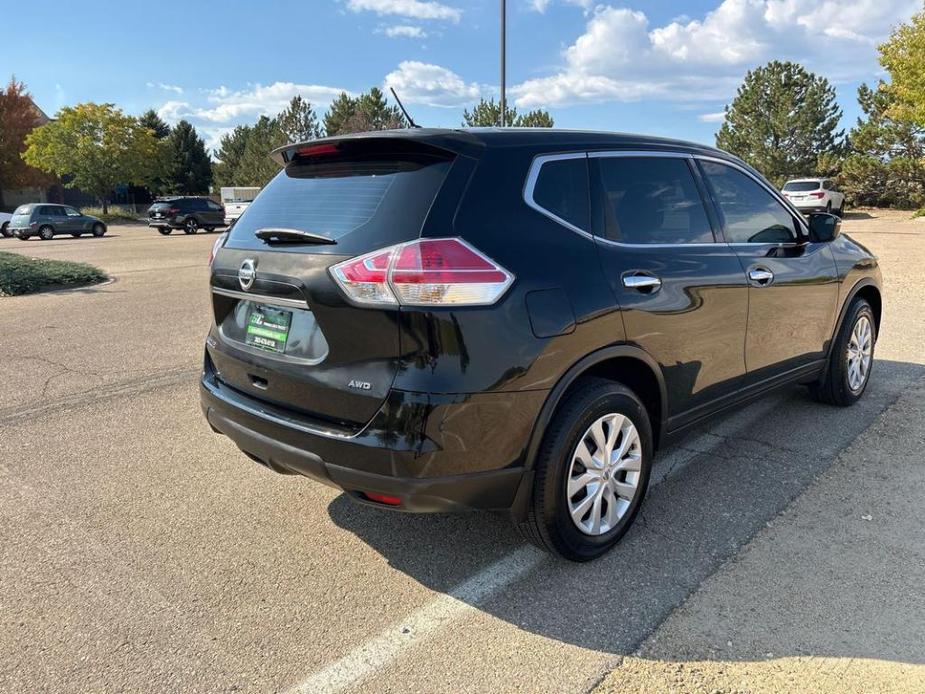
point(787, 205)
point(532, 176)
point(262, 298)
point(539, 160)
point(609, 153)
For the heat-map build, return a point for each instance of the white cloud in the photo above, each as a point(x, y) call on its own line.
point(166, 87)
point(405, 31)
point(416, 9)
point(717, 117)
point(226, 105)
point(172, 111)
point(432, 85)
point(541, 5)
point(620, 57)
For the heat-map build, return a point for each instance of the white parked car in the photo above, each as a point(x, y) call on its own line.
point(5, 224)
point(235, 201)
point(815, 195)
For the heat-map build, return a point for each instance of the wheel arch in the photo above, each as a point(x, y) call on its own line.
point(867, 289)
point(626, 364)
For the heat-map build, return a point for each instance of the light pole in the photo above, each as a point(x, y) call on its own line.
point(503, 52)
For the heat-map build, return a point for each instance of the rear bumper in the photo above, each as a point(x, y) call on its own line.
point(438, 453)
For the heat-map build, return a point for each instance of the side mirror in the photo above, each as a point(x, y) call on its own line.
point(824, 227)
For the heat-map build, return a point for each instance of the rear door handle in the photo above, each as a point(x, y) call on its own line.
point(760, 275)
point(641, 282)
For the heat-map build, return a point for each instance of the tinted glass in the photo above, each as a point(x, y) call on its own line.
point(383, 194)
point(651, 200)
point(71, 211)
point(562, 188)
point(801, 186)
point(750, 213)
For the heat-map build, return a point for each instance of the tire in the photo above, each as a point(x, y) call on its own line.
point(841, 210)
point(99, 229)
point(550, 524)
point(209, 230)
point(46, 233)
point(5, 230)
point(191, 226)
point(837, 385)
point(164, 230)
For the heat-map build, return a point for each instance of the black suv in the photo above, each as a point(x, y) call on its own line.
point(187, 213)
point(436, 320)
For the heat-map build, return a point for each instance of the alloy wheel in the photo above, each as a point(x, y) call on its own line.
point(604, 474)
point(859, 354)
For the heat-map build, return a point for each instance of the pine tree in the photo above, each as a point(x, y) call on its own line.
point(227, 169)
point(153, 122)
point(190, 169)
point(298, 122)
point(782, 120)
point(487, 114)
point(256, 167)
point(342, 109)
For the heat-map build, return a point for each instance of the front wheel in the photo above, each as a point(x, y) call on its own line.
point(591, 472)
point(98, 230)
point(848, 370)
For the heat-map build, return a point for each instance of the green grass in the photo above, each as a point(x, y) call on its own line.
point(919, 213)
point(23, 275)
point(115, 215)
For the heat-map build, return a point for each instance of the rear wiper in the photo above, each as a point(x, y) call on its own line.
point(291, 236)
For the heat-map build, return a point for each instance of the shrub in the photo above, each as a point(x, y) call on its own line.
point(115, 215)
point(23, 275)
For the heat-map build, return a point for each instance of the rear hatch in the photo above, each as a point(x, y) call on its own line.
point(22, 215)
point(159, 210)
point(291, 338)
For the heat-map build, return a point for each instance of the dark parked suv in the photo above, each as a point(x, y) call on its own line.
point(187, 213)
point(435, 320)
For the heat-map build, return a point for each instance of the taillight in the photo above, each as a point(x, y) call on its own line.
point(426, 272)
point(818, 196)
point(219, 242)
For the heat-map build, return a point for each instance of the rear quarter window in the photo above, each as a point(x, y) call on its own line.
point(561, 189)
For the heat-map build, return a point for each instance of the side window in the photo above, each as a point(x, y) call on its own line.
point(561, 189)
point(651, 200)
point(213, 206)
point(750, 213)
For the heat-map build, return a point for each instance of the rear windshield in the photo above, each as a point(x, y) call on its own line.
point(801, 186)
point(376, 196)
point(23, 209)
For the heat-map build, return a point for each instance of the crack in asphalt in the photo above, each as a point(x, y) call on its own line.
point(105, 392)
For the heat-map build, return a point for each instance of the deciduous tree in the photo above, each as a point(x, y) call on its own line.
point(903, 56)
point(18, 117)
point(96, 146)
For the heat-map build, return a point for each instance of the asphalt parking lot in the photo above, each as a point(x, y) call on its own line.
point(140, 552)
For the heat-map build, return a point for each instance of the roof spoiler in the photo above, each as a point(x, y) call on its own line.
point(418, 140)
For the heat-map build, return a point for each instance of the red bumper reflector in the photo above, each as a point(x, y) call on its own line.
point(383, 498)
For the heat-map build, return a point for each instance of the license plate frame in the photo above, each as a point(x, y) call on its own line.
point(268, 328)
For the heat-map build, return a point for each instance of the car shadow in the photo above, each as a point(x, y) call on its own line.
point(858, 215)
point(718, 487)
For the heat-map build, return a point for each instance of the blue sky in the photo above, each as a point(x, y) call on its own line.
point(658, 67)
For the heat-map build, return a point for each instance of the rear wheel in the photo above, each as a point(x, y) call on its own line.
point(848, 371)
point(98, 230)
point(5, 230)
point(46, 233)
point(190, 226)
point(164, 230)
point(828, 207)
point(592, 472)
point(209, 230)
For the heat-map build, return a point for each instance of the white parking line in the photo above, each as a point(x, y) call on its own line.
point(375, 654)
point(378, 652)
